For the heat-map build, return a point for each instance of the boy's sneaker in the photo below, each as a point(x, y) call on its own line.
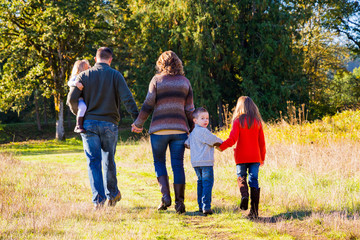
point(112, 202)
point(208, 212)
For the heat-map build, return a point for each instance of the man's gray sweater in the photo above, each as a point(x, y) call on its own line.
point(104, 89)
point(201, 142)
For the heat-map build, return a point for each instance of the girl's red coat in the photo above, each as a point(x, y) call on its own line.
point(250, 147)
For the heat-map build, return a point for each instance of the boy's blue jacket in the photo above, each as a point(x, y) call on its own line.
point(201, 142)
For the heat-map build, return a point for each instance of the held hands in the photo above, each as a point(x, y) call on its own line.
point(217, 146)
point(135, 129)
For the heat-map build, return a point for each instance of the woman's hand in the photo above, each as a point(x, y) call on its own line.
point(136, 129)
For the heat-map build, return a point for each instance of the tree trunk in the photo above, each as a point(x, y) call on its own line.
point(45, 111)
point(36, 98)
point(59, 110)
point(68, 117)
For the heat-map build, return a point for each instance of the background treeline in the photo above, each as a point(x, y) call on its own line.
point(283, 54)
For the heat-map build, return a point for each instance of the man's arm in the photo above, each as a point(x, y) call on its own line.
point(72, 99)
point(127, 98)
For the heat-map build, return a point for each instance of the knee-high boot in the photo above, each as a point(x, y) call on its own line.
point(179, 198)
point(165, 191)
point(255, 198)
point(244, 191)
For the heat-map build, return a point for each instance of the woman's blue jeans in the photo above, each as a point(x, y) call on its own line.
point(205, 184)
point(253, 168)
point(99, 143)
point(159, 144)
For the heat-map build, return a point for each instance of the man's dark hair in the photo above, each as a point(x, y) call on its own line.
point(104, 53)
point(199, 110)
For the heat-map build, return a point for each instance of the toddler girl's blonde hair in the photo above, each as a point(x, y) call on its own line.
point(79, 66)
point(247, 110)
point(169, 63)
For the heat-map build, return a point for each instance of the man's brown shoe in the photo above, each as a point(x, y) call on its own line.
point(112, 202)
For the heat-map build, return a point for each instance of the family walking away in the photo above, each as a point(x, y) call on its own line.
point(103, 90)
point(95, 97)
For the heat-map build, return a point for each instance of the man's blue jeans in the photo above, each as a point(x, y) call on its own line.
point(241, 171)
point(99, 143)
point(205, 184)
point(159, 144)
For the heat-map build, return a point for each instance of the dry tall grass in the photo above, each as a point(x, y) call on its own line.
point(309, 190)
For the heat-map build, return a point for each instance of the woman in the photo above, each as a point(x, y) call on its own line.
point(170, 98)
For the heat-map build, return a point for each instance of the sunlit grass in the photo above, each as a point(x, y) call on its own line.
point(310, 189)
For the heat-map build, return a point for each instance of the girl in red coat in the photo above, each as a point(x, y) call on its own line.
point(250, 150)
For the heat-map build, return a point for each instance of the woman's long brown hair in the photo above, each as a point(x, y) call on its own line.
point(247, 110)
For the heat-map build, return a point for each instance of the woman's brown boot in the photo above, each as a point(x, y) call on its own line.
point(165, 191)
point(244, 191)
point(255, 198)
point(179, 198)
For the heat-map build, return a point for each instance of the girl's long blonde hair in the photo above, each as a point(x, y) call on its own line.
point(169, 63)
point(246, 110)
point(79, 66)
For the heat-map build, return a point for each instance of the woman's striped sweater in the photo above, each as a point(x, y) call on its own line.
point(170, 98)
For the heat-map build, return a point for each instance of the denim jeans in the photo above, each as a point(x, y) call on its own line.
point(159, 144)
point(242, 169)
point(205, 184)
point(99, 143)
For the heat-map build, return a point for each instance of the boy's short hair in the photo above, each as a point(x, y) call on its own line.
point(104, 53)
point(199, 110)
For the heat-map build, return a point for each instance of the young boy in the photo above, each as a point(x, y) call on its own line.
point(201, 143)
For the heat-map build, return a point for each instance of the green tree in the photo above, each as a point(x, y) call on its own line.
point(343, 16)
point(344, 91)
point(324, 56)
point(39, 42)
point(229, 48)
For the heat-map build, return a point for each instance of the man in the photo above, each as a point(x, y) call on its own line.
point(104, 89)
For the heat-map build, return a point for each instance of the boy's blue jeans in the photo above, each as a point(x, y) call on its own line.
point(205, 184)
point(99, 143)
point(253, 168)
point(159, 144)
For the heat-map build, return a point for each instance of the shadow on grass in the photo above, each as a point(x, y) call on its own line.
point(48, 151)
point(194, 213)
point(299, 215)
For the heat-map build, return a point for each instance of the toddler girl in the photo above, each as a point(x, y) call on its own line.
point(250, 150)
point(79, 66)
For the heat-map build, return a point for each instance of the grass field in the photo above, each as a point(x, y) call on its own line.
point(310, 189)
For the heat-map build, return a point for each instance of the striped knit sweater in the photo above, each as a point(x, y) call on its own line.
point(170, 98)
